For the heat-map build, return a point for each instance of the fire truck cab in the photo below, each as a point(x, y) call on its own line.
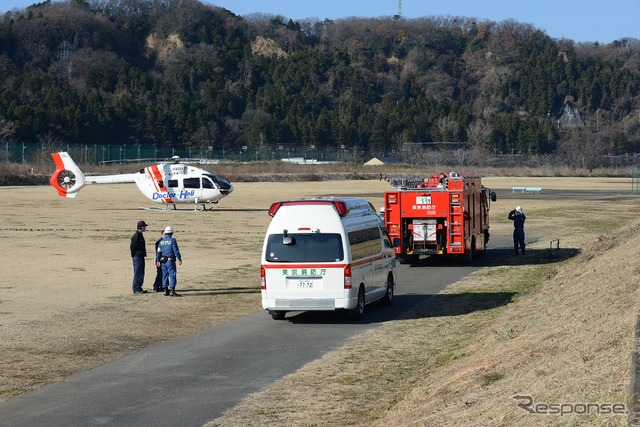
point(444, 214)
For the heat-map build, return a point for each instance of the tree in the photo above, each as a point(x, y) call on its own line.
point(585, 148)
point(7, 130)
point(479, 135)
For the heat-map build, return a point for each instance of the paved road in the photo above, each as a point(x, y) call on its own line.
point(195, 379)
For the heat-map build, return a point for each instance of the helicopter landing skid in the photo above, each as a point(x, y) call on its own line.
point(175, 209)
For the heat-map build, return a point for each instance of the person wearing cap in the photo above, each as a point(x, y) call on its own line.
point(518, 217)
point(168, 249)
point(138, 252)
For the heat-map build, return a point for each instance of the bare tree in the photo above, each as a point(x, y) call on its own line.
point(449, 129)
point(585, 148)
point(479, 135)
point(463, 157)
point(7, 130)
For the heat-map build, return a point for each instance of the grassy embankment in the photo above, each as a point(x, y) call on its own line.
point(559, 330)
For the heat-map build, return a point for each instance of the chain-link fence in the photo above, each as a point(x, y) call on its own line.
point(97, 154)
point(106, 154)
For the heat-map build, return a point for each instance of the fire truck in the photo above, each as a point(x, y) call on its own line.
point(443, 214)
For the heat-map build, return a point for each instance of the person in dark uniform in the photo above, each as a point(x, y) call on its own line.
point(518, 217)
point(138, 252)
point(168, 248)
point(157, 285)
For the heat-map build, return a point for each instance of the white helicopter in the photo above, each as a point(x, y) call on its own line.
point(166, 183)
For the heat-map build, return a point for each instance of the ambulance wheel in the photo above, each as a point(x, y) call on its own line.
point(278, 315)
point(358, 312)
point(388, 296)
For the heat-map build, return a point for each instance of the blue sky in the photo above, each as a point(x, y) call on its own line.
point(582, 21)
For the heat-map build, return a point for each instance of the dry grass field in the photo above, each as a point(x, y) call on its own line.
point(65, 295)
point(565, 335)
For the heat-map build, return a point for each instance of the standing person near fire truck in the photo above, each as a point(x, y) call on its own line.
point(518, 217)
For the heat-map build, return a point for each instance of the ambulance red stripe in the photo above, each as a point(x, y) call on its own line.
point(307, 266)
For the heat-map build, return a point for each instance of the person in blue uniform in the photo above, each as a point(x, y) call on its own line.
point(518, 217)
point(138, 253)
point(168, 247)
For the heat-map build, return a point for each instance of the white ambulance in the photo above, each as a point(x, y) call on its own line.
point(326, 254)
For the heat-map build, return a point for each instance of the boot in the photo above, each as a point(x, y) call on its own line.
point(173, 293)
point(166, 291)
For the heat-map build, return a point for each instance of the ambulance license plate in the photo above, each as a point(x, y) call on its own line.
point(305, 283)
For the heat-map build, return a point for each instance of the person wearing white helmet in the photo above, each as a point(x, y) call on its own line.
point(166, 256)
point(518, 217)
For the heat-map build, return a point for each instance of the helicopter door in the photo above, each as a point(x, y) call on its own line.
point(209, 190)
point(192, 189)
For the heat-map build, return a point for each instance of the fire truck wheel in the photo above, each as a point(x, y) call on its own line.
point(472, 252)
point(388, 296)
point(358, 312)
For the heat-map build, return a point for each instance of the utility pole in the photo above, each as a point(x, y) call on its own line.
point(399, 8)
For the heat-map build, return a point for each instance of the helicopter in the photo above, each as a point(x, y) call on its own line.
point(165, 183)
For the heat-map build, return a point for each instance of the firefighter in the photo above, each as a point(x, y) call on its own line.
point(518, 217)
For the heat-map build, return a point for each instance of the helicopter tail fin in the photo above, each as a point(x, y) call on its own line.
point(68, 179)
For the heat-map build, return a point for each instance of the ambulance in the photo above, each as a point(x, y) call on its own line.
point(326, 254)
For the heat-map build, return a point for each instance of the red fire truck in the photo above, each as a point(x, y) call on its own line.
point(444, 214)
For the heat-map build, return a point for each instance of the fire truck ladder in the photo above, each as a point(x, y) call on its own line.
point(455, 220)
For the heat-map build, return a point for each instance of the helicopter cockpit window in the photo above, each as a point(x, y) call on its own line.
point(221, 182)
point(172, 183)
point(206, 183)
point(192, 183)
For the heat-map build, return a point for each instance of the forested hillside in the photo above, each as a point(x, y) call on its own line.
point(186, 74)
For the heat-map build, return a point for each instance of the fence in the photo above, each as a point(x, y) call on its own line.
point(95, 154)
point(122, 153)
point(635, 181)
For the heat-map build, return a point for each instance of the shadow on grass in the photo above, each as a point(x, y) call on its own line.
point(443, 305)
point(497, 257)
point(217, 291)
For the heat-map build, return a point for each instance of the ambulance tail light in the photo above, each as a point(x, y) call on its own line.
point(347, 276)
point(263, 278)
point(341, 207)
point(274, 208)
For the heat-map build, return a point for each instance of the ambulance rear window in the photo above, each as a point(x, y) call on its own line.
point(314, 247)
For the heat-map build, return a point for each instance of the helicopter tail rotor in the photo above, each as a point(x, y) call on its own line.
point(67, 178)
